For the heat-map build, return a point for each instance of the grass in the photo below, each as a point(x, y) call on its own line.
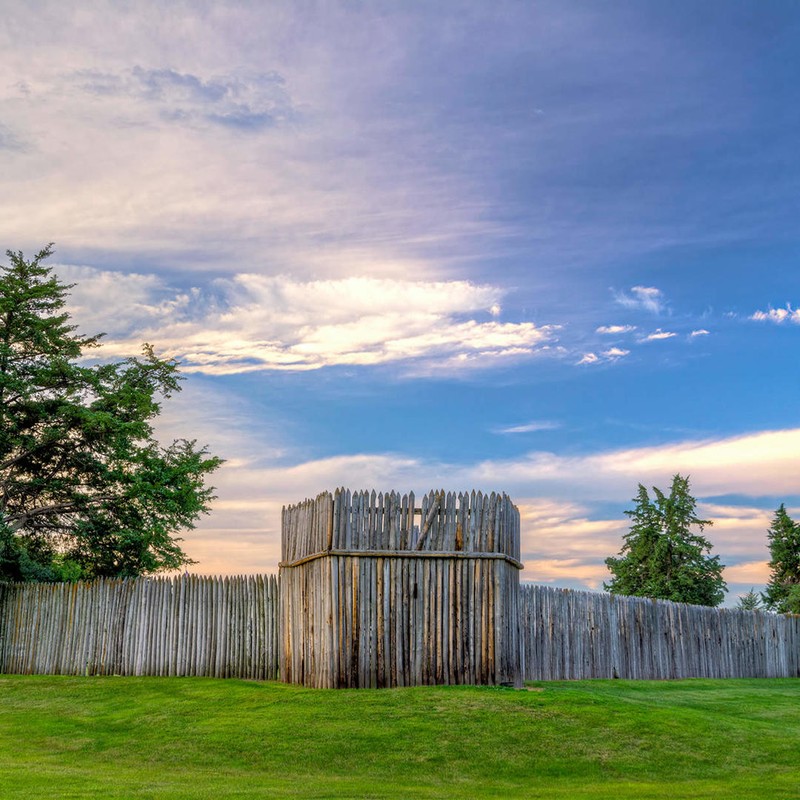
point(66, 737)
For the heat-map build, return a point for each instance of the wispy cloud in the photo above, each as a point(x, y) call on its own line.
point(612, 354)
point(778, 315)
point(528, 427)
point(9, 140)
point(116, 302)
point(646, 298)
point(246, 102)
point(700, 332)
point(658, 335)
point(615, 329)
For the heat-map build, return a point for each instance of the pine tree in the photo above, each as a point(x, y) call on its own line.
point(782, 593)
point(662, 557)
point(85, 490)
point(751, 601)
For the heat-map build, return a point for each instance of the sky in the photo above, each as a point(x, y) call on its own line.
point(546, 248)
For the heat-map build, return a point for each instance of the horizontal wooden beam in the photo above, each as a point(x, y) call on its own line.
point(457, 554)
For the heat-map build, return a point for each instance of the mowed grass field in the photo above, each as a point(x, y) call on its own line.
point(116, 737)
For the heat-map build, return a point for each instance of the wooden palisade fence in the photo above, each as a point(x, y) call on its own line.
point(215, 627)
point(376, 592)
point(574, 635)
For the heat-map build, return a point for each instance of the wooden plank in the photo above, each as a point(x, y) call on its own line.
point(431, 509)
point(461, 520)
point(411, 511)
point(476, 504)
point(489, 542)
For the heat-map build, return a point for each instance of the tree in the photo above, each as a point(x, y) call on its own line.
point(792, 603)
point(782, 593)
point(751, 601)
point(661, 556)
point(85, 489)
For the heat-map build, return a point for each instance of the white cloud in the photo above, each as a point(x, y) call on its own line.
point(529, 427)
point(647, 298)
point(759, 464)
point(254, 322)
point(105, 301)
point(614, 353)
point(658, 335)
point(778, 315)
point(615, 329)
point(700, 332)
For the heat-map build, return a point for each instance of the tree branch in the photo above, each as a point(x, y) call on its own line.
point(16, 521)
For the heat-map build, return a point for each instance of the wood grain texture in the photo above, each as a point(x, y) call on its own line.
point(572, 635)
point(189, 625)
point(413, 595)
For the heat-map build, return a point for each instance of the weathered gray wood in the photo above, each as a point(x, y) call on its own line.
point(574, 635)
point(429, 512)
point(167, 626)
point(369, 601)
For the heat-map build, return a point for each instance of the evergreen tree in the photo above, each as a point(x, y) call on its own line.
point(85, 490)
point(751, 601)
point(782, 593)
point(662, 557)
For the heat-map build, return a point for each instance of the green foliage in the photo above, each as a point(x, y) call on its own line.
point(792, 603)
point(751, 601)
point(782, 593)
point(85, 490)
point(662, 557)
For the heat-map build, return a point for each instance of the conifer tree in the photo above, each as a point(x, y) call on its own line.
point(85, 489)
point(662, 557)
point(782, 593)
point(750, 601)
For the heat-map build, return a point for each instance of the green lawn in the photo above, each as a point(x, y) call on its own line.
point(198, 738)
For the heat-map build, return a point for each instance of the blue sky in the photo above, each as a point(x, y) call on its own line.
point(546, 248)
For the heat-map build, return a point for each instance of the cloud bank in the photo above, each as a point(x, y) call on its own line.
point(255, 322)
